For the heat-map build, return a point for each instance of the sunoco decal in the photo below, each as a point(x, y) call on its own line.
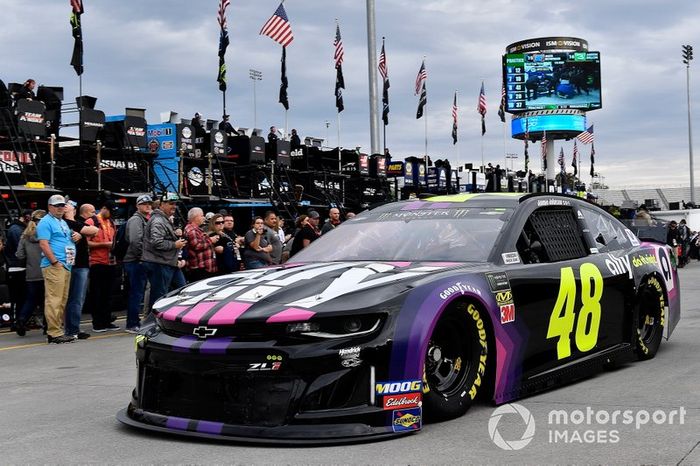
point(407, 419)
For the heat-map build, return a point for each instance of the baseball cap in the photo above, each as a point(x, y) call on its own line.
point(144, 199)
point(56, 200)
point(169, 197)
point(313, 214)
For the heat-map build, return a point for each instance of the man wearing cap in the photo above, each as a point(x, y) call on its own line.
point(57, 244)
point(307, 234)
point(160, 248)
point(102, 268)
point(135, 271)
point(81, 269)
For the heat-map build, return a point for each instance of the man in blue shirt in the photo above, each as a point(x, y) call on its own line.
point(57, 244)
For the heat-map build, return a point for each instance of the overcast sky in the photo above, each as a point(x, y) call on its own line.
point(162, 55)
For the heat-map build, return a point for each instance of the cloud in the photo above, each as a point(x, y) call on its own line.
point(162, 55)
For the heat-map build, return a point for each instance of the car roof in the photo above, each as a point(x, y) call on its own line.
point(503, 200)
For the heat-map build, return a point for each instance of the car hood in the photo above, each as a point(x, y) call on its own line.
point(297, 292)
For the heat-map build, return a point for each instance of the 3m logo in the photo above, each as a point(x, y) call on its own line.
point(504, 297)
point(393, 388)
point(507, 313)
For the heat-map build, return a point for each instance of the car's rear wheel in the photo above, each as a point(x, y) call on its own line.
point(650, 312)
point(455, 363)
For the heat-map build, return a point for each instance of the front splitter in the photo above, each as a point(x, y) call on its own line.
point(291, 435)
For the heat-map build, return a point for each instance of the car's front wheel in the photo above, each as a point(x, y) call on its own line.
point(455, 363)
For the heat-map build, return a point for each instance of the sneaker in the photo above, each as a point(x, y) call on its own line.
point(134, 329)
point(83, 335)
point(99, 330)
point(61, 339)
point(112, 327)
point(21, 331)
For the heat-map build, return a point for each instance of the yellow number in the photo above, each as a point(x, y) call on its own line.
point(561, 322)
point(589, 317)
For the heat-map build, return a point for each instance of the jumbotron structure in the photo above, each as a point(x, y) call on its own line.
point(550, 84)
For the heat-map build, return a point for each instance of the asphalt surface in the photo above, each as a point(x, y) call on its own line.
point(58, 405)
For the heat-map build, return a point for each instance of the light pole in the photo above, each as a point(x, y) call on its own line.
point(687, 57)
point(512, 158)
point(255, 75)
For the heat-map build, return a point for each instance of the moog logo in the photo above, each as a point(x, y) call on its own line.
point(392, 388)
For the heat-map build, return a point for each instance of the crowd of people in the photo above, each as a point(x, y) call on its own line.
point(55, 258)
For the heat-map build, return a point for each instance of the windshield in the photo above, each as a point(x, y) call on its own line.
point(455, 235)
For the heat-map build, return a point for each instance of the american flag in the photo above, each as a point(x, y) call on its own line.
point(338, 43)
point(454, 120)
point(278, 28)
point(481, 108)
point(544, 150)
point(586, 137)
point(421, 78)
point(502, 107)
point(77, 6)
point(575, 159)
point(560, 159)
point(384, 71)
point(221, 14)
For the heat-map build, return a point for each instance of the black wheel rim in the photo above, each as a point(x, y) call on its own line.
point(448, 358)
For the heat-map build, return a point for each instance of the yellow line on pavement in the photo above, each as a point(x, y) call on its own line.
point(43, 343)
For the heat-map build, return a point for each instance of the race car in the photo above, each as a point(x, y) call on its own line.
point(412, 311)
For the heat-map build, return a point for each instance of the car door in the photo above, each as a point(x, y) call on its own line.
point(560, 292)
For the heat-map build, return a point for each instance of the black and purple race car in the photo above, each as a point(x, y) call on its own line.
point(410, 312)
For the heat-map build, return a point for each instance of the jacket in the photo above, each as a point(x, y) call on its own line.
point(14, 233)
point(30, 251)
point(159, 240)
point(134, 235)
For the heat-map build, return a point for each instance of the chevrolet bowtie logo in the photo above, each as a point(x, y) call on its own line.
point(204, 332)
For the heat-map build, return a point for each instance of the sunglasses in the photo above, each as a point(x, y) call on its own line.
point(219, 223)
point(59, 205)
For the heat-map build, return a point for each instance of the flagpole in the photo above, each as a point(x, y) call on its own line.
point(286, 128)
point(223, 94)
point(425, 114)
point(340, 158)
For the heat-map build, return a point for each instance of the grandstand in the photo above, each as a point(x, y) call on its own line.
point(664, 198)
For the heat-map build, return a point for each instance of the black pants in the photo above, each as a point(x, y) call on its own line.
point(101, 286)
point(17, 287)
point(196, 275)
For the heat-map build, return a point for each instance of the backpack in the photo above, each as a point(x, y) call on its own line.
point(120, 244)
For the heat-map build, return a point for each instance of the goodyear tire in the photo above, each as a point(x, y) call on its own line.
point(455, 363)
point(649, 318)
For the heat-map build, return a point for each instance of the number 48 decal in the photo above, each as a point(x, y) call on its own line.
point(586, 318)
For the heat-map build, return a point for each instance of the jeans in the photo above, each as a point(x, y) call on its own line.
point(159, 276)
point(34, 297)
point(254, 264)
point(136, 273)
point(76, 299)
point(178, 280)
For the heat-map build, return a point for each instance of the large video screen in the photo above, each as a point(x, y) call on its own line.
point(541, 81)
